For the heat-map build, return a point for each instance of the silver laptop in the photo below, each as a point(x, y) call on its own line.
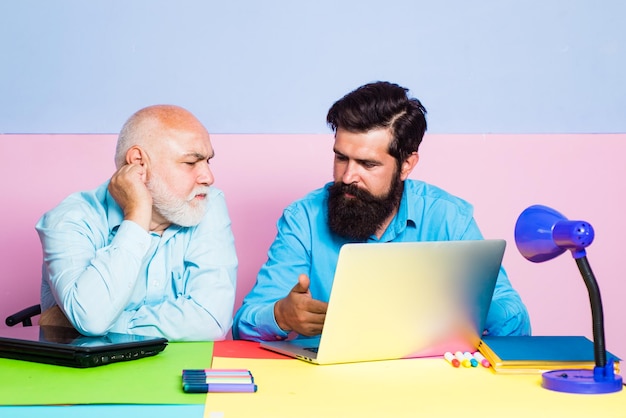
point(403, 300)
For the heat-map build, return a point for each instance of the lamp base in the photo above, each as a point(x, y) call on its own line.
point(599, 380)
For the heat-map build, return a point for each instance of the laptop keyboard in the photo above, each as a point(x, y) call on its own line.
point(311, 349)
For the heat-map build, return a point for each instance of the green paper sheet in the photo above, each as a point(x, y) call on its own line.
point(151, 380)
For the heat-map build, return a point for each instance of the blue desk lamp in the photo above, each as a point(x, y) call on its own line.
point(542, 233)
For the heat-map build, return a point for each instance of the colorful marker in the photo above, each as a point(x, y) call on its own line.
point(216, 372)
point(218, 379)
point(203, 376)
point(464, 361)
point(219, 387)
point(470, 357)
point(481, 359)
point(451, 359)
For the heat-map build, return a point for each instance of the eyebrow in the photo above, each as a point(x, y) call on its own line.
point(358, 160)
point(199, 156)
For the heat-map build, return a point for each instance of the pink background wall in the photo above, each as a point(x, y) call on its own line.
point(582, 176)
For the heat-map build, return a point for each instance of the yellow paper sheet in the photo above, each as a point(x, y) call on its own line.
point(399, 388)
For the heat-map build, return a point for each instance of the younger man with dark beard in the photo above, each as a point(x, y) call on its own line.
point(378, 130)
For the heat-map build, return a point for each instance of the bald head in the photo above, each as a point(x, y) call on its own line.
point(151, 125)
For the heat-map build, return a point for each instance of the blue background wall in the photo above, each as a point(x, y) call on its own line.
point(492, 66)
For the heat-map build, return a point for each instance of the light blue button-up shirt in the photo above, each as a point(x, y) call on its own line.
point(305, 244)
point(108, 274)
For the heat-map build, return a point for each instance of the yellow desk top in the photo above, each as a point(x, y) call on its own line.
point(399, 388)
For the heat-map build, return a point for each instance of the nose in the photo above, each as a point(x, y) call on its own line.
point(206, 175)
point(350, 173)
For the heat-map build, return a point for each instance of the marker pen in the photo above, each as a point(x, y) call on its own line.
point(470, 357)
point(465, 362)
point(218, 387)
point(218, 379)
point(217, 375)
point(481, 359)
point(216, 372)
point(451, 359)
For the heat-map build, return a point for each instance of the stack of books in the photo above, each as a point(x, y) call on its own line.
point(538, 354)
point(218, 380)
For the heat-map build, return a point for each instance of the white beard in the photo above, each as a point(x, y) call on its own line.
point(183, 212)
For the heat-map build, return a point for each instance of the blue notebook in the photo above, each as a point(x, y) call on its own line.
point(537, 354)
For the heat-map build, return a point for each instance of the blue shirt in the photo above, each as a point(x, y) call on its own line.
point(108, 274)
point(305, 244)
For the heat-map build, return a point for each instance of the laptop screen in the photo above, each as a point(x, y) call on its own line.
point(404, 299)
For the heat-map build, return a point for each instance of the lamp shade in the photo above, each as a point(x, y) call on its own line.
point(542, 233)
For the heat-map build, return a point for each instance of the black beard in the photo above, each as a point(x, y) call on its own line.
point(359, 217)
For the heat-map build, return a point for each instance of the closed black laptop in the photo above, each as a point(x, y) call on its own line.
point(66, 347)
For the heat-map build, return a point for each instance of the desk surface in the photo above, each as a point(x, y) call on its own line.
point(103, 411)
point(150, 380)
point(400, 388)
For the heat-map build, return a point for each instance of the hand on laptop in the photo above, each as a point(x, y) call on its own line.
point(299, 312)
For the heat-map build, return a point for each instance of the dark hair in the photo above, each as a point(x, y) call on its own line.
point(382, 105)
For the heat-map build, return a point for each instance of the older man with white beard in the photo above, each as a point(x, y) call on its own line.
point(150, 251)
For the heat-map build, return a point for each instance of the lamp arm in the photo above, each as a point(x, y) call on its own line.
point(596, 310)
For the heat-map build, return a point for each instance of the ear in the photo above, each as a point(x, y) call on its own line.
point(408, 165)
point(138, 155)
point(135, 155)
